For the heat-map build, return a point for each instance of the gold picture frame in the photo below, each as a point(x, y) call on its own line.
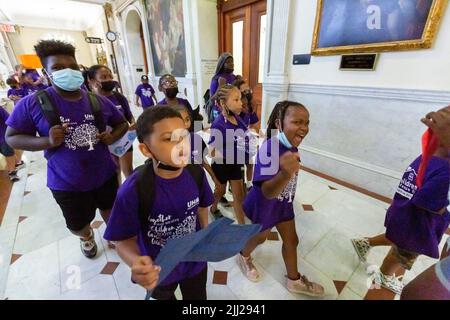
point(430, 30)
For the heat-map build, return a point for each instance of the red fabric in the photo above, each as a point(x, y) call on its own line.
point(430, 143)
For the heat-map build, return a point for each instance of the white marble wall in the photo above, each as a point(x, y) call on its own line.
point(365, 136)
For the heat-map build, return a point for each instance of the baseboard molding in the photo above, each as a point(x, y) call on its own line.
point(348, 185)
point(433, 96)
point(356, 163)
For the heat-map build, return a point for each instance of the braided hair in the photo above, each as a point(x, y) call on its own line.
point(223, 93)
point(279, 113)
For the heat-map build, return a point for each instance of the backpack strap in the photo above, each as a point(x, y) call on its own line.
point(197, 173)
point(146, 192)
point(48, 109)
point(97, 112)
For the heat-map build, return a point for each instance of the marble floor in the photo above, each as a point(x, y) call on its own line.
point(40, 259)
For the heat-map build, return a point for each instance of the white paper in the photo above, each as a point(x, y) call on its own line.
point(121, 146)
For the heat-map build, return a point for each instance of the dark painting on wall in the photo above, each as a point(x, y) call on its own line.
point(165, 24)
point(344, 26)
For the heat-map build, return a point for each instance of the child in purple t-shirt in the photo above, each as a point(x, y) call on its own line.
point(145, 93)
point(16, 92)
point(102, 83)
point(80, 171)
point(231, 146)
point(250, 118)
point(179, 208)
point(270, 201)
point(415, 222)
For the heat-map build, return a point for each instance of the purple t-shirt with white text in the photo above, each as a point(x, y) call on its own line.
point(81, 163)
point(145, 93)
point(270, 212)
point(409, 222)
point(173, 215)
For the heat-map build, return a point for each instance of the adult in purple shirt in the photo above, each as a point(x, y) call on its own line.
point(102, 83)
point(179, 208)
point(223, 75)
point(145, 93)
point(415, 222)
point(80, 171)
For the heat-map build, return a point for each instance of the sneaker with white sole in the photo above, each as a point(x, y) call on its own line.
point(20, 165)
point(89, 247)
point(362, 248)
point(392, 283)
point(13, 177)
point(304, 286)
point(248, 268)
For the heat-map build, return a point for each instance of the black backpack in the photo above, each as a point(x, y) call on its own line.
point(146, 192)
point(209, 104)
point(52, 115)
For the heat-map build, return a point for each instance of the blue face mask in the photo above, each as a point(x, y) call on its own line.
point(284, 140)
point(67, 79)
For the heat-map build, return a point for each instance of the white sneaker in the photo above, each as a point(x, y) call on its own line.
point(304, 286)
point(392, 283)
point(248, 268)
point(362, 248)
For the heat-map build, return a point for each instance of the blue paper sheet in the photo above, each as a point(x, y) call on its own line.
point(219, 241)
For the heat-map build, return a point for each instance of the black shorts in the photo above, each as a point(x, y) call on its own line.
point(228, 172)
point(191, 289)
point(6, 150)
point(79, 207)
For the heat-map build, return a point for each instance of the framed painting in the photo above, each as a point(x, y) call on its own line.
point(360, 26)
point(166, 29)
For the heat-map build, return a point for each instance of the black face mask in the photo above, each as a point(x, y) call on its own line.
point(108, 85)
point(171, 93)
point(228, 70)
point(163, 166)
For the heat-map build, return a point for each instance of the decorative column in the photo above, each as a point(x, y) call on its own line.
point(276, 78)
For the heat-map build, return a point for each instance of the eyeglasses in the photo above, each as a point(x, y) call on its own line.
point(170, 83)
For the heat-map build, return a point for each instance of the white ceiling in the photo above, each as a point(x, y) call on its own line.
point(53, 14)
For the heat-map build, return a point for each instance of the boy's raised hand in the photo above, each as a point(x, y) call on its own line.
point(56, 135)
point(289, 164)
point(145, 273)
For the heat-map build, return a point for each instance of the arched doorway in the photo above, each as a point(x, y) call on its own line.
point(136, 47)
